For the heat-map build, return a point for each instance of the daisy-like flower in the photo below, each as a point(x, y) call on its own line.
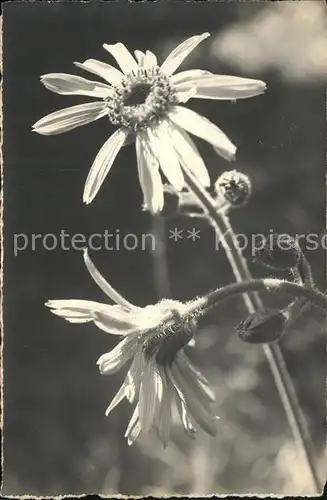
point(143, 100)
point(160, 377)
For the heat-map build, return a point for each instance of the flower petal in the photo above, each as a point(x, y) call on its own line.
point(117, 399)
point(201, 127)
point(134, 418)
point(162, 148)
point(70, 118)
point(134, 427)
point(197, 372)
point(75, 311)
point(150, 395)
point(150, 179)
point(111, 319)
point(189, 154)
point(134, 376)
point(202, 390)
point(104, 285)
point(140, 56)
point(150, 60)
point(65, 84)
point(146, 60)
point(124, 58)
point(202, 415)
point(177, 56)
point(181, 406)
point(103, 163)
point(185, 94)
point(134, 432)
point(164, 416)
point(189, 76)
point(104, 70)
point(225, 87)
point(185, 83)
point(123, 392)
point(112, 361)
point(107, 323)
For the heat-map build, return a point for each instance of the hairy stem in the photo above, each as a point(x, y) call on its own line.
point(301, 275)
point(212, 299)
point(253, 302)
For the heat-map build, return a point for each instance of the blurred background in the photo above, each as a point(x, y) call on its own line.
point(56, 437)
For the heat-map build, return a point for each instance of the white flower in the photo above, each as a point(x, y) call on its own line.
point(160, 376)
point(143, 100)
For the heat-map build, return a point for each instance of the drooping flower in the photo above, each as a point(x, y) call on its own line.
point(143, 100)
point(160, 376)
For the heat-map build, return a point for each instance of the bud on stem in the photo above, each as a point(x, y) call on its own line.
point(263, 327)
point(233, 187)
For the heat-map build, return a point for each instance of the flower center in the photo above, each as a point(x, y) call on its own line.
point(142, 98)
point(138, 95)
point(165, 344)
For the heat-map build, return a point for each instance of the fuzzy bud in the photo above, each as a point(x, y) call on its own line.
point(262, 327)
point(234, 187)
point(279, 251)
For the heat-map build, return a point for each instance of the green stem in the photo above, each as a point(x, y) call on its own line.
point(253, 302)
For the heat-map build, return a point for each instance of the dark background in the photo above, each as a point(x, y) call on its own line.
point(56, 437)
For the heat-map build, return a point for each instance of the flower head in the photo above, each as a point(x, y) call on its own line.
point(143, 99)
point(160, 376)
point(234, 187)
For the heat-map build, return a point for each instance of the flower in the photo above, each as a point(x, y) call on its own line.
point(161, 375)
point(143, 100)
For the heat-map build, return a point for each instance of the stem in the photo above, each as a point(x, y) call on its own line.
point(212, 299)
point(302, 275)
point(253, 302)
point(305, 272)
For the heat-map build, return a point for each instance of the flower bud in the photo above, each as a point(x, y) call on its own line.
point(279, 251)
point(234, 187)
point(262, 327)
point(171, 201)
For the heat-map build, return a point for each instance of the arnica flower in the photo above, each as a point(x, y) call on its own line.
point(143, 99)
point(161, 377)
